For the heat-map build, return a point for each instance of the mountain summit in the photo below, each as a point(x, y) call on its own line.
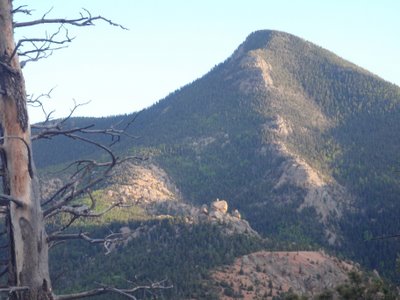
point(302, 142)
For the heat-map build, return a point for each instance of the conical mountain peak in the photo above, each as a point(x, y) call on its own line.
point(261, 38)
point(290, 52)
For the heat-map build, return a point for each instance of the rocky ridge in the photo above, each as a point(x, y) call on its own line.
point(216, 213)
point(324, 194)
point(291, 114)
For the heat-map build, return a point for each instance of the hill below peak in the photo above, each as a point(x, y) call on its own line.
point(270, 274)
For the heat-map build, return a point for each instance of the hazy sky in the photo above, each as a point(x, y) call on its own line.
point(171, 43)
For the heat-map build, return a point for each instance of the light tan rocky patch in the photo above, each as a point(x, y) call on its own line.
point(262, 275)
point(142, 184)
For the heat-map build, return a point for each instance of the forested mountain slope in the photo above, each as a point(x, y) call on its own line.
point(302, 142)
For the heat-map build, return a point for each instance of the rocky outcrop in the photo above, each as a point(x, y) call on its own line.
point(144, 183)
point(129, 183)
point(263, 275)
point(217, 213)
point(219, 206)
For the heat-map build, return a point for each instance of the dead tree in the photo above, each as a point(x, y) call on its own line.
point(27, 266)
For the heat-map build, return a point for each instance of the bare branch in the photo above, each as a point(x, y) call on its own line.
point(85, 19)
point(60, 192)
point(74, 236)
point(49, 130)
point(22, 9)
point(132, 120)
point(79, 211)
point(69, 192)
point(42, 45)
point(54, 244)
point(39, 55)
point(87, 178)
point(384, 237)
point(13, 289)
point(81, 295)
point(87, 172)
point(127, 293)
point(56, 129)
point(108, 241)
point(71, 221)
point(36, 102)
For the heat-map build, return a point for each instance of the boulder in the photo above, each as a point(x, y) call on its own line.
point(236, 214)
point(204, 209)
point(220, 205)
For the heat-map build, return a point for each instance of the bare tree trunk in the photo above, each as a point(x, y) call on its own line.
point(28, 248)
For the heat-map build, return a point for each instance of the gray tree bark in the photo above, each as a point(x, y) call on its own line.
point(28, 265)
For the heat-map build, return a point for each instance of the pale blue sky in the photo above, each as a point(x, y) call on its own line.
point(171, 43)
